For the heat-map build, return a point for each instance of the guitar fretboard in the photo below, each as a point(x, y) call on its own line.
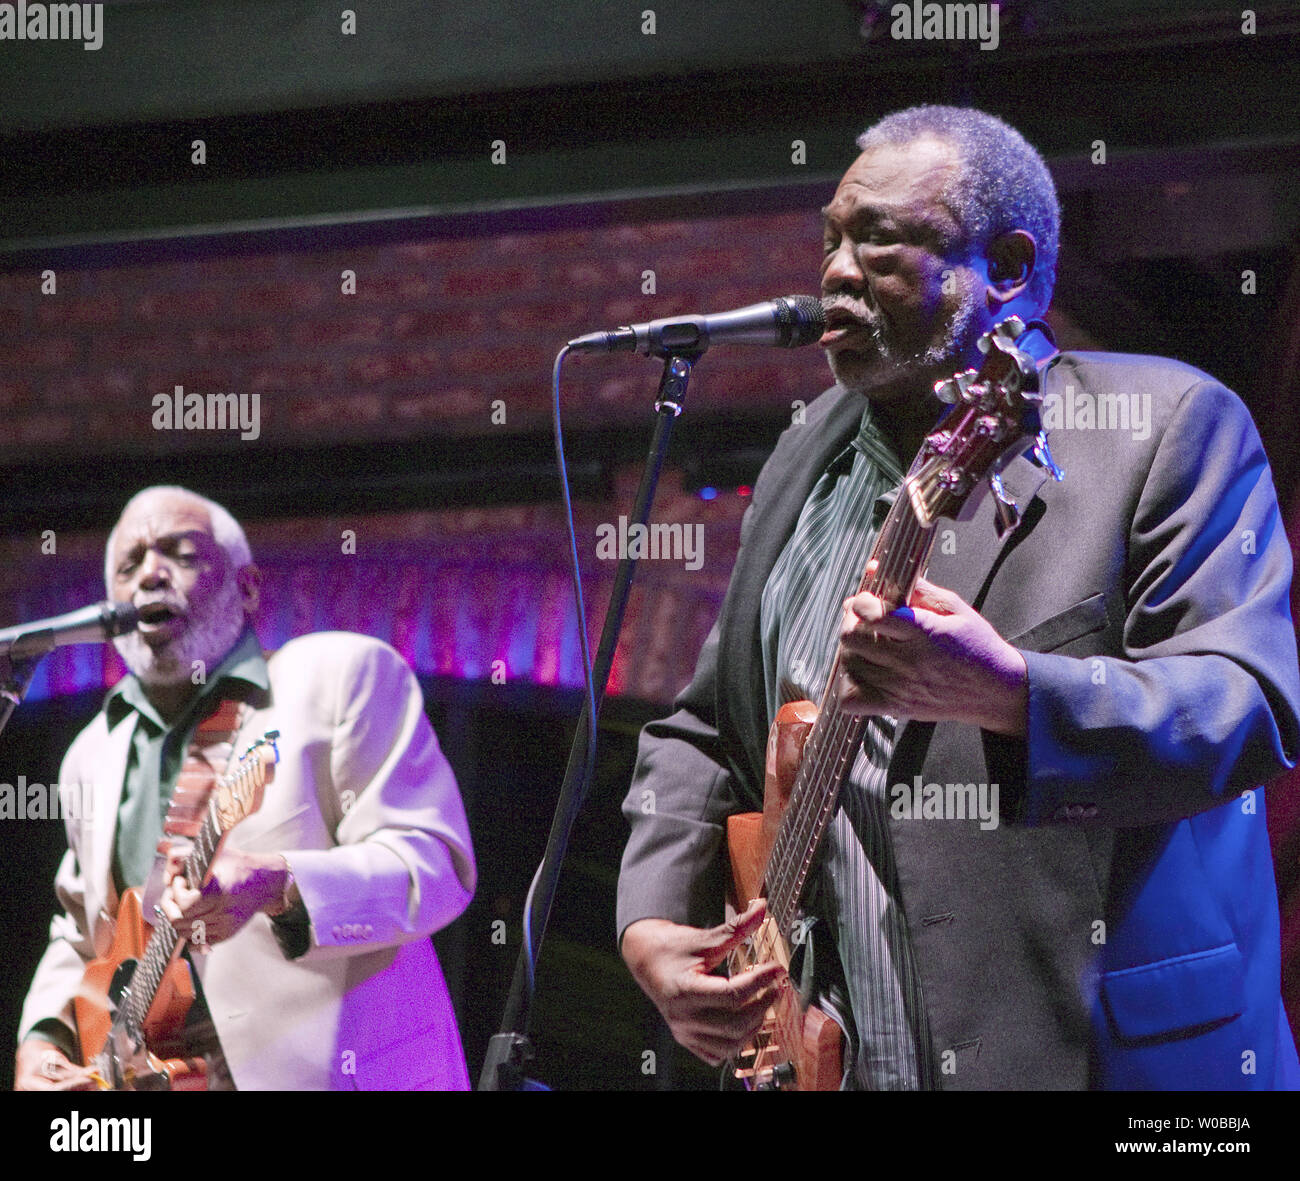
point(900, 552)
point(165, 942)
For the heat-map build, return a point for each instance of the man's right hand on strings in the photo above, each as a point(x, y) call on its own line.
point(714, 1017)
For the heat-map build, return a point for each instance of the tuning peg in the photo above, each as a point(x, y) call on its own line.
point(1006, 509)
point(1043, 454)
point(953, 389)
point(1007, 329)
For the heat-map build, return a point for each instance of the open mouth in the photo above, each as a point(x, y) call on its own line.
point(157, 615)
point(842, 324)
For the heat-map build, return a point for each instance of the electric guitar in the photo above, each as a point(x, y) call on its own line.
point(138, 994)
point(994, 416)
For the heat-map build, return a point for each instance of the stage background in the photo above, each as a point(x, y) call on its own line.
point(402, 481)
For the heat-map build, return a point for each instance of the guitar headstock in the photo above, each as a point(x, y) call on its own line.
point(239, 794)
point(994, 417)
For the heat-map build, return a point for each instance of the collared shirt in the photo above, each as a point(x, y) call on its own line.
point(821, 565)
point(158, 751)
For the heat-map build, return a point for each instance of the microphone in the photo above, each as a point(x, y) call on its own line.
point(783, 323)
point(90, 625)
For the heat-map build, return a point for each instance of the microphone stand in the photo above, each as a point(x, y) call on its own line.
point(510, 1049)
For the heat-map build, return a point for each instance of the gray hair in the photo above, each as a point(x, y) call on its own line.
point(1003, 184)
point(226, 531)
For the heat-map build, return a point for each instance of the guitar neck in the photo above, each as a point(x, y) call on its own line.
point(165, 943)
point(899, 555)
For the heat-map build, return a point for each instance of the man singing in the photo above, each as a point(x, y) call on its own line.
point(1121, 668)
point(311, 939)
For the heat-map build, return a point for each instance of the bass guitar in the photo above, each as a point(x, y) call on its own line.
point(994, 416)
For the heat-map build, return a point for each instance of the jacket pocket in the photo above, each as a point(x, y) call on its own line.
point(1082, 619)
point(1185, 992)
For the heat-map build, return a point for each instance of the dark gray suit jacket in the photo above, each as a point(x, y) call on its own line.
point(1119, 928)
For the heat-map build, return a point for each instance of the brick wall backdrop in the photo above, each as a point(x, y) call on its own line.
point(439, 334)
point(436, 332)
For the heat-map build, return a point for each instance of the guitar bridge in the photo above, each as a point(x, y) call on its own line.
point(780, 1077)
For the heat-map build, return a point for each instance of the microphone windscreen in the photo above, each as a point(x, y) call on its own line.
point(119, 618)
point(802, 320)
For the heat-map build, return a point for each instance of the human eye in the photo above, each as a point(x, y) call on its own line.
point(183, 552)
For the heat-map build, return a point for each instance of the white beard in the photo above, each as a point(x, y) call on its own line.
point(950, 350)
point(208, 638)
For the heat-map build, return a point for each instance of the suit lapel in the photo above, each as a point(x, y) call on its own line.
point(811, 454)
point(106, 792)
point(966, 553)
point(963, 562)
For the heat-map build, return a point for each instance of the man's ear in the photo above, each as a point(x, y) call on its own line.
point(249, 579)
point(1011, 258)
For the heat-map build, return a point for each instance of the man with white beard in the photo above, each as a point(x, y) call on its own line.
point(316, 969)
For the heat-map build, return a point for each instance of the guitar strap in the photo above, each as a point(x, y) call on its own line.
point(207, 760)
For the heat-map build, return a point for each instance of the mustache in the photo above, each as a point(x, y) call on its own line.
point(161, 601)
point(843, 304)
point(846, 303)
point(859, 311)
point(207, 636)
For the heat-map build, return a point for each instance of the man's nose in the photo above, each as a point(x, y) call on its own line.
point(154, 570)
point(842, 270)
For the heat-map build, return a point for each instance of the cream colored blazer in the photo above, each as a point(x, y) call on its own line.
point(365, 808)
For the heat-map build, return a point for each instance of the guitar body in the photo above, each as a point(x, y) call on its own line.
point(798, 1048)
point(101, 989)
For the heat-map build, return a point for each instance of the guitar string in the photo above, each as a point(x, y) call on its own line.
point(786, 868)
point(161, 944)
point(834, 742)
point(831, 754)
point(158, 952)
point(785, 1020)
point(781, 1019)
point(829, 748)
point(841, 733)
point(890, 570)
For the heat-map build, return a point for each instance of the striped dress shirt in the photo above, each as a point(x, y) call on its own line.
point(821, 565)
